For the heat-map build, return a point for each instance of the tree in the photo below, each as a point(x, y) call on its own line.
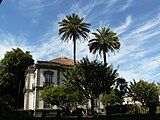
point(143, 92)
point(0, 1)
point(104, 41)
point(12, 71)
point(110, 99)
point(121, 88)
point(92, 78)
point(73, 28)
point(62, 96)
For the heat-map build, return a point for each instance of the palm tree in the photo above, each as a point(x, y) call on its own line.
point(0, 1)
point(73, 28)
point(104, 41)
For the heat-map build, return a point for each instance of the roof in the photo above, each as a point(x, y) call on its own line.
point(63, 61)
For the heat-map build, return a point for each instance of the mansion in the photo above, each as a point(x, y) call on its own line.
point(49, 73)
point(46, 73)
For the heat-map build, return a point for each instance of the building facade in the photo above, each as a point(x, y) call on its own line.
point(43, 73)
point(46, 73)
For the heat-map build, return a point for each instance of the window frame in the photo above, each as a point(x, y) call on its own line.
point(48, 75)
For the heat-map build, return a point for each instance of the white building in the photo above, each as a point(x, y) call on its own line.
point(129, 101)
point(45, 73)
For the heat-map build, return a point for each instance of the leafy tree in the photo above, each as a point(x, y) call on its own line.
point(143, 92)
point(62, 96)
point(12, 71)
point(121, 88)
point(92, 78)
point(116, 95)
point(73, 28)
point(110, 99)
point(104, 41)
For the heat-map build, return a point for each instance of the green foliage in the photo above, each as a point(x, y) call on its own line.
point(104, 41)
point(73, 28)
point(62, 96)
point(121, 88)
point(12, 71)
point(92, 78)
point(143, 92)
point(110, 99)
point(0, 1)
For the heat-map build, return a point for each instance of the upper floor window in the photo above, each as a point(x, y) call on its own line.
point(48, 78)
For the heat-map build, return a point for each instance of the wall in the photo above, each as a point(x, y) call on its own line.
point(61, 78)
point(30, 100)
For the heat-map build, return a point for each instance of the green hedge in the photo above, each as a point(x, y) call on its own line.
point(27, 115)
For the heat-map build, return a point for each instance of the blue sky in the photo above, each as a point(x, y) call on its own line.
point(32, 25)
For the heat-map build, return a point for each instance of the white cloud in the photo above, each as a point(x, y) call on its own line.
point(34, 8)
point(10, 41)
point(129, 75)
point(125, 6)
point(36, 4)
point(136, 59)
point(122, 28)
point(143, 69)
point(146, 28)
point(133, 36)
point(85, 10)
point(112, 2)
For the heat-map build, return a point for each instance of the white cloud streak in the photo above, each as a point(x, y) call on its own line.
point(125, 6)
point(133, 51)
point(112, 2)
point(122, 28)
point(34, 8)
point(133, 35)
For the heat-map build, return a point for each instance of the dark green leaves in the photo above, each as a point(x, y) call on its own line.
point(143, 91)
point(104, 41)
point(62, 96)
point(12, 71)
point(91, 77)
point(73, 27)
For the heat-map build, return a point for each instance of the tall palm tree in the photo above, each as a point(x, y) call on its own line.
point(104, 41)
point(0, 1)
point(73, 28)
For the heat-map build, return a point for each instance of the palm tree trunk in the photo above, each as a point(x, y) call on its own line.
point(104, 56)
point(74, 49)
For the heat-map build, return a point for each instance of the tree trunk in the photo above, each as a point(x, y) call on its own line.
point(104, 56)
point(74, 49)
point(92, 106)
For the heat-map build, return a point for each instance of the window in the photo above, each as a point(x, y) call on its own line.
point(48, 78)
